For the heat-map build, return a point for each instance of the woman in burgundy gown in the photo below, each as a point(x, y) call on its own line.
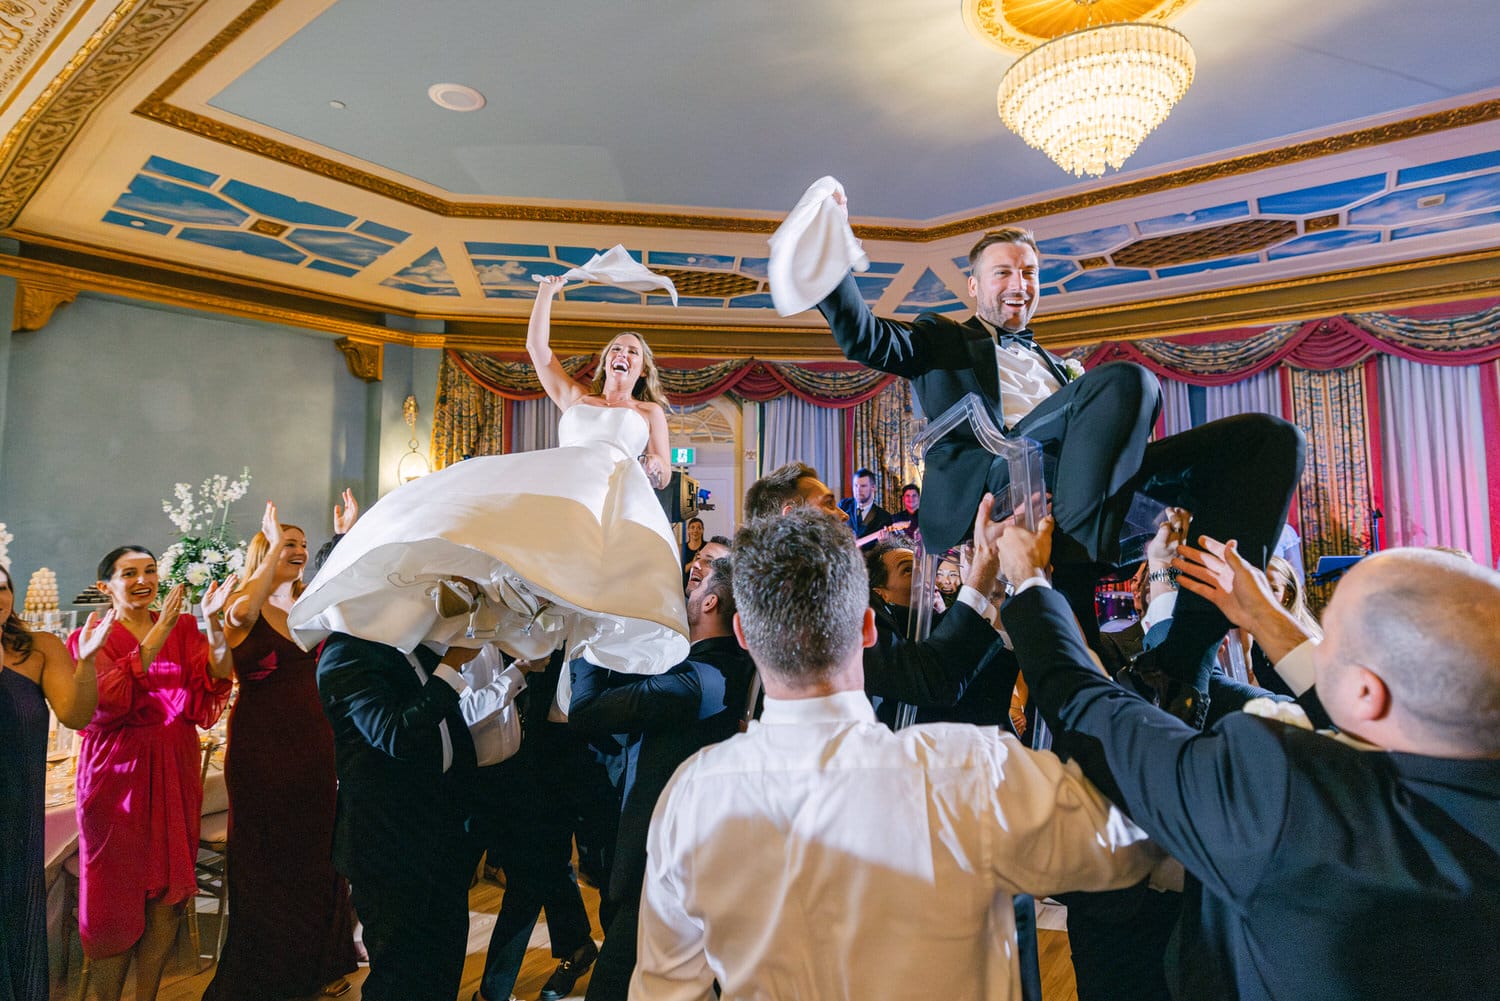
point(290, 925)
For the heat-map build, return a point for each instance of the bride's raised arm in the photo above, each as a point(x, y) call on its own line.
point(561, 388)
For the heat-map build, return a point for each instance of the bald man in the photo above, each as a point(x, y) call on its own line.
point(1343, 868)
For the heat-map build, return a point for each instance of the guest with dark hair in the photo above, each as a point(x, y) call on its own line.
point(36, 671)
point(693, 542)
point(786, 487)
point(292, 932)
point(905, 520)
point(664, 719)
point(139, 792)
point(866, 517)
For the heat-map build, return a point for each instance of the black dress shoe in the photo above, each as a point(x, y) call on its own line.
point(560, 984)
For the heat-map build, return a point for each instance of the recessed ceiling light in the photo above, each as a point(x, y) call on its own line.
point(337, 105)
point(455, 97)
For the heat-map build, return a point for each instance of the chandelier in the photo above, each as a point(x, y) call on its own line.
point(1087, 98)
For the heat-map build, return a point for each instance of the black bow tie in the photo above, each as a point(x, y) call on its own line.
point(1022, 339)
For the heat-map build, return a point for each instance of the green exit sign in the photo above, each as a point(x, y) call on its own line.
point(684, 456)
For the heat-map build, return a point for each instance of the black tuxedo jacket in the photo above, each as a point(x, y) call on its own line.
point(945, 361)
point(666, 717)
point(879, 518)
point(1317, 870)
point(933, 673)
point(399, 814)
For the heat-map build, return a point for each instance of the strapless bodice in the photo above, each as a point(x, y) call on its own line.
point(621, 427)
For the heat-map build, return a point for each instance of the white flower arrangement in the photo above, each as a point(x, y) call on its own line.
point(5, 540)
point(206, 552)
point(1073, 369)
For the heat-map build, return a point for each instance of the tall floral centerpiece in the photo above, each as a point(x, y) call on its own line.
point(5, 540)
point(207, 550)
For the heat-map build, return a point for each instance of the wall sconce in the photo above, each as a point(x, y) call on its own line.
point(413, 464)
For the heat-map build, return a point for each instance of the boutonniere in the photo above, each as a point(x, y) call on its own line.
point(1072, 368)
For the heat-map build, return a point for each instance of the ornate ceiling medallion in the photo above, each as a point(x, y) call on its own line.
point(1018, 26)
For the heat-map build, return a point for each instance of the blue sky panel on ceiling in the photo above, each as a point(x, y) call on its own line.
point(1195, 267)
point(150, 196)
point(1323, 198)
point(331, 268)
point(760, 300)
point(755, 267)
point(1444, 168)
point(516, 274)
point(1188, 220)
point(338, 245)
point(1469, 194)
point(136, 222)
point(930, 295)
point(1447, 225)
point(389, 234)
point(1316, 243)
point(1105, 277)
point(283, 207)
point(427, 275)
point(581, 255)
point(245, 243)
point(481, 249)
point(1095, 241)
point(704, 262)
point(1055, 269)
point(181, 171)
point(602, 293)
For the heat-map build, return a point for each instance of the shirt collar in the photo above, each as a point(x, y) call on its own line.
point(840, 707)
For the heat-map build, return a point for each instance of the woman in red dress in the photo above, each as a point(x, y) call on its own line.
point(290, 927)
point(139, 792)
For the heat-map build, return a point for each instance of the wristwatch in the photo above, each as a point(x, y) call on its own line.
point(1167, 577)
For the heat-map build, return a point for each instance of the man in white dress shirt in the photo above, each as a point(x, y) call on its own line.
point(819, 854)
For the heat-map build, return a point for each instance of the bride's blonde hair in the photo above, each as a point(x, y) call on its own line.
point(647, 384)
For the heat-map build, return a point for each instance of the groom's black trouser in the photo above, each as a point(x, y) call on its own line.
point(1235, 475)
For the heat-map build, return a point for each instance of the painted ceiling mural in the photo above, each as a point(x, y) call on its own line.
point(231, 140)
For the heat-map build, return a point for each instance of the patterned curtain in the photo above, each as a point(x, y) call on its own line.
point(1335, 493)
point(468, 419)
point(884, 429)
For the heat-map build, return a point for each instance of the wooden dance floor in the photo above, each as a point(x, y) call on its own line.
point(183, 984)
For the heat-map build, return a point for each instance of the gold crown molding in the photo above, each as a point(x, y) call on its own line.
point(26, 270)
point(366, 359)
point(21, 41)
point(38, 299)
point(666, 339)
point(157, 107)
point(128, 36)
point(1389, 286)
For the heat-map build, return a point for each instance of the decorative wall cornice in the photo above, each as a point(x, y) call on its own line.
point(128, 36)
point(366, 359)
point(38, 299)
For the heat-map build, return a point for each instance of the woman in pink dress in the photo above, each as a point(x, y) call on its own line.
point(291, 932)
point(139, 791)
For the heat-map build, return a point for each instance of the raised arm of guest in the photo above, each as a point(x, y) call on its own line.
point(243, 607)
point(220, 656)
point(70, 686)
point(560, 387)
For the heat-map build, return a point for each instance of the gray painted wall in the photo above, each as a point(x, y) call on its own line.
point(114, 401)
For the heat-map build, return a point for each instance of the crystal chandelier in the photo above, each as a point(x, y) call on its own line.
point(1088, 98)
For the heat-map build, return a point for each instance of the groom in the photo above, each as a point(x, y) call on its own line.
point(1235, 475)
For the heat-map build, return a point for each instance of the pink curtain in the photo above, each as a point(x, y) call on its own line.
point(1436, 477)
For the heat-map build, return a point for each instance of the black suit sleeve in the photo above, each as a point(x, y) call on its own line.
point(1216, 800)
point(886, 345)
point(604, 702)
point(934, 672)
point(369, 687)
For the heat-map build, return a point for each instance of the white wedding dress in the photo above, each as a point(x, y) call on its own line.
point(569, 544)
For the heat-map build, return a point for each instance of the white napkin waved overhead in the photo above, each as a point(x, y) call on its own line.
point(812, 250)
point(616, 267)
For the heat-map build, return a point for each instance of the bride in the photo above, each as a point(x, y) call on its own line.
point(565, 547)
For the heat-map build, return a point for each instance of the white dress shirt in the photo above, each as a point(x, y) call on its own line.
point(820, 855)
point(1025, 379)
